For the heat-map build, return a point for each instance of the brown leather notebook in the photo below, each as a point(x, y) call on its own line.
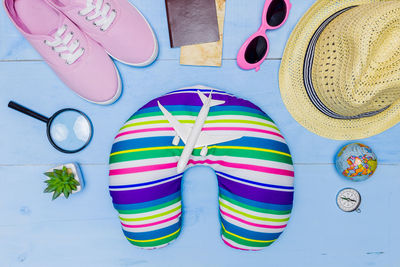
point(192, 22)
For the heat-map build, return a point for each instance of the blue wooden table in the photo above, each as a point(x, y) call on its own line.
point(85, 231)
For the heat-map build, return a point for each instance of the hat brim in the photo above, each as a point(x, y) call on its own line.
point(293, 91)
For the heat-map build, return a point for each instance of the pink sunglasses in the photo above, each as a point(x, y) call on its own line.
point(254, 51)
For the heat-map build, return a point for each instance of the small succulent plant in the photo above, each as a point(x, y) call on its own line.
point(61, 182)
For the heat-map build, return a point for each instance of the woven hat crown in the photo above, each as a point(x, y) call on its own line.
point(356, 67)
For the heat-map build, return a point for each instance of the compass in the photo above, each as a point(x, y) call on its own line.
point(348, 199)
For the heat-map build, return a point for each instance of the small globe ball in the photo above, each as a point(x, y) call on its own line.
point(356, 162)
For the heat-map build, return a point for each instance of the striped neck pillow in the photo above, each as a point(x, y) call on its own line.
point(255, 173)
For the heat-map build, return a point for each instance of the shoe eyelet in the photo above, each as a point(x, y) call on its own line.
point(87, 18)
point(53, 48)
point(59, 54)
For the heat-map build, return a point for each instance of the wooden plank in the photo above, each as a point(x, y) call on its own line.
point(85, 230)
point(243, 17)
point(41, 90)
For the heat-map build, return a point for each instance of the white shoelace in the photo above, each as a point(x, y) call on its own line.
point(104, 13)
point(69, 52)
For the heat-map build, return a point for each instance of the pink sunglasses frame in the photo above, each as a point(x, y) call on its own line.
point(241, 60)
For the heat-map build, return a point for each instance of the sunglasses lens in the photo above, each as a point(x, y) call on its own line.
point(276, 12)
point(256, 50)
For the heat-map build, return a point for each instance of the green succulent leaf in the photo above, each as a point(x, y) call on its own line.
point(59, 189)
point(64, 171)
point(61, 181)
point(56, 194)
point(51, 182)
point(49, 174)
point(66, 192)
point(50, 189)
point(67, 187)
point(47, 190)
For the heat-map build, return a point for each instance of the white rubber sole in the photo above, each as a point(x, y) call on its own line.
point(155, 51)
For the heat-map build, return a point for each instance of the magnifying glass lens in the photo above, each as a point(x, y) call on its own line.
point(70, 130)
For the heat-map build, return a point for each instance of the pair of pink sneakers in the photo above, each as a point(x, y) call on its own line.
point(75, 38)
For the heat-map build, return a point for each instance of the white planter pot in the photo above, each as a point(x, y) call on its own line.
point(76, 170)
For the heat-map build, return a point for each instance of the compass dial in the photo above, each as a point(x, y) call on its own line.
point(348, 199)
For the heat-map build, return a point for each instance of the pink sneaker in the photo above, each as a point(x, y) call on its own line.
point(115, 24)
point(80, 62)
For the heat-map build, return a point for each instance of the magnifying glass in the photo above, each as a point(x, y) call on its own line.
point(68, 130)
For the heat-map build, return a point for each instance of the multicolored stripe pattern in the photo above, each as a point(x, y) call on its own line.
point(255, 173)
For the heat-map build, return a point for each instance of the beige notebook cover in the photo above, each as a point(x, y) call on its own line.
point(208, 54)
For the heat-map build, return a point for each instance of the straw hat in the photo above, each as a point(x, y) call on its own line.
point(340, 73)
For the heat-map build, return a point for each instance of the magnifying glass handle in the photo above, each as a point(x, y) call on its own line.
point(28, 112)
